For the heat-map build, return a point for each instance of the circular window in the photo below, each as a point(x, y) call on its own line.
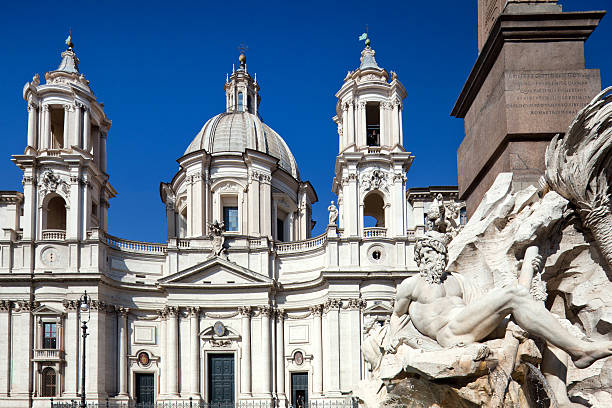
point(143, 358)
point(376, 253)
point(298, 358)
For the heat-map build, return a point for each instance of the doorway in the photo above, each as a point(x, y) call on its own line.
point(299, 390)
point(145, 390)
point(221, 380)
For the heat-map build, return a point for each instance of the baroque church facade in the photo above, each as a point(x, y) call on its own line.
point(241, 304)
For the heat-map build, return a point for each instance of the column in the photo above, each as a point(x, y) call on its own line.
point(29, 205)
point(266, 311)
point(350, 138)
point(363, 128)
point(400, 125)
point(78, 123)
point(354, 359)
point(103, 151)
point(73, 214)
point(198, 225)
point(253, 203)
point(395, 124)
point(190, 213)
point(266, 211)
point(317, 374)
point(45, 139)
point(274, 219)
point(280, 354)
point(172, 351)
point(123, 339)
point(245, 360)
point(163, 378)
point(5, 346)
point(332, 349)
point(32, 115)
point(382, 118)
point(66, 135)
point(291, 235)
point(86, 130)
point(194, 317)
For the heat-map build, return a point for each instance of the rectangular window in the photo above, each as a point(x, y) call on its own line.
point(280, 230)
point(230, 218)
point(49, 335)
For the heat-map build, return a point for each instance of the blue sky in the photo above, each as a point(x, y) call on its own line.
point(159, 68)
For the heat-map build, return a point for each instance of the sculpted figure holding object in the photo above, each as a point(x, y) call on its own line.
point(448, 308)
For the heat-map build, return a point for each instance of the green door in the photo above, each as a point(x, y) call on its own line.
point(145, 390)
point(299, 390)
point(221, 380)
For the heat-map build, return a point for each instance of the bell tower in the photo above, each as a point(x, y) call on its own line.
point(66, 188)
point(371, 167)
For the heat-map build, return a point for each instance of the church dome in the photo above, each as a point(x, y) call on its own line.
point(238, 131)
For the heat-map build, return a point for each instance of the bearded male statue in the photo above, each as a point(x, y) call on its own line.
point(450, 309)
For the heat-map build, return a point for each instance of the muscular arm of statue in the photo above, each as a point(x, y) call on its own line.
point(400, 317)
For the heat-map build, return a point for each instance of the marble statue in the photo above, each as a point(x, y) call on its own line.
point(333, 214)
point(448, 307)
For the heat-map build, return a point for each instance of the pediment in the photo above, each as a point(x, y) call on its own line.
point(216, 272)
point(47, 310)
point(379, 308)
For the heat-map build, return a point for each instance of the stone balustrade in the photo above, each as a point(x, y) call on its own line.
point(53, 235)
point(374, 232)
point(135, 246)
point(301, 246)
point(48, 355)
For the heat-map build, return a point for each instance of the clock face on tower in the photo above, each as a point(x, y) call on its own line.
point(219, 329)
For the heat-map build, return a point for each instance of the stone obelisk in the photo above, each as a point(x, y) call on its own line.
point(527, 84)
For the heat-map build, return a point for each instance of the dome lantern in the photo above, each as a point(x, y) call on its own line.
point(241, 90)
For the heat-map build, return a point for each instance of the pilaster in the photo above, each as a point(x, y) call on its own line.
point(317, 351)
point(245, 361)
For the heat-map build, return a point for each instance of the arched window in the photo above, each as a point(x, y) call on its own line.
point(56, 214)
point(373, 210)
point(249, 103)
point(240, 101)
point(49, 381)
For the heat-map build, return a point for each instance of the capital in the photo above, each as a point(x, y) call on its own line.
point(194, 311)
point(316, 310)
point(266, 311)
point(245, 311)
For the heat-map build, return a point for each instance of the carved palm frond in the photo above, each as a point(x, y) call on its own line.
point(578, 164)
point(579, 168)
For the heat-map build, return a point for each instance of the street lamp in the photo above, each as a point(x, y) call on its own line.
point(84, 310)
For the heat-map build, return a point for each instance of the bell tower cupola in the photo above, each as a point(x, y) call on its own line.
point(371, 165)
point(241, 90)
point(369, 107)
point(66, 187)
